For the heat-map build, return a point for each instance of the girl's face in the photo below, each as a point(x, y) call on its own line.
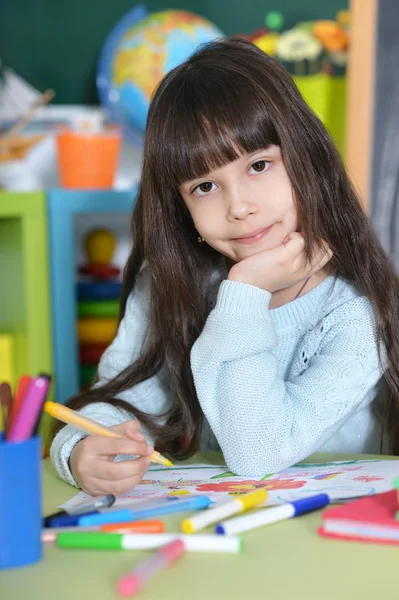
point(244, 207)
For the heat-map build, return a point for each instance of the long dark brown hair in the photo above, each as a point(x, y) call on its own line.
point(227, 99)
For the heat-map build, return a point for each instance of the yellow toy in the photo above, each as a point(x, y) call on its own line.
point(100, 246)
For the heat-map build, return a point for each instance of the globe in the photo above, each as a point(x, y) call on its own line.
point(137, 55)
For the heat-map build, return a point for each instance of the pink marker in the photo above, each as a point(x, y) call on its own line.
point(130, 584)
point(26, 418)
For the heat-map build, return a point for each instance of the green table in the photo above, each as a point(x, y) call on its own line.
point(283, 561)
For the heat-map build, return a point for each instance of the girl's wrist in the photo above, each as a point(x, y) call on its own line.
point(235, 275)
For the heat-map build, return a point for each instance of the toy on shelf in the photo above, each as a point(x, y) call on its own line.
point(315, 53)
point(98, 301)
point(310, 47)
point(266, 38)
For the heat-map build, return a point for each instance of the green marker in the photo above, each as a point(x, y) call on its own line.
point(120, 541)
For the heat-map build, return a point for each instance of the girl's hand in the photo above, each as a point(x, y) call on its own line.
point(281, 267)
point(92, 463)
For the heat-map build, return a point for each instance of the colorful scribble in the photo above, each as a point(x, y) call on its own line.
point(176, 484)
point(323, 476)
point(367, 478)
point(148, 482)
point(242, 487)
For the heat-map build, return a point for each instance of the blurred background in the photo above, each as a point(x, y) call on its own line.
point(76, 80)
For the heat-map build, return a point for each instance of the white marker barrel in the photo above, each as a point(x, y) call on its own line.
point(265, 516)
point(211, 515)
point(193, 543)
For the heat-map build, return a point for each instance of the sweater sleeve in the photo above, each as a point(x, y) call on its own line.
point(151, 396)
point(262, 422)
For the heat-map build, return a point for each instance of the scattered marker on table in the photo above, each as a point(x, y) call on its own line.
point(221, 511)
point(193, 503)
point(132, 583)
point(155, 526)
point(118, 541)
point(95, 504)
point(267, 516)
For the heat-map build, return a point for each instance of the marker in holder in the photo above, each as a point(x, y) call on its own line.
point(20, 503)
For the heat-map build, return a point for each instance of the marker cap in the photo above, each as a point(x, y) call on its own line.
point(253, 498)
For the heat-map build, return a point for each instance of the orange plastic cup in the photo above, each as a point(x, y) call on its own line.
point(88, 160)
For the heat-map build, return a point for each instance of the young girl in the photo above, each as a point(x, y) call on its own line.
point(259, 312)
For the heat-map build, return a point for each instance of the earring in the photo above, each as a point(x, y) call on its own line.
point(200, 239)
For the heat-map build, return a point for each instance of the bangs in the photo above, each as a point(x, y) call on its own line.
point(211, 120)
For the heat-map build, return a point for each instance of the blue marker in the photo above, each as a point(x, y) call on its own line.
point(64, 520)
point(127, 515)
point(266, 516)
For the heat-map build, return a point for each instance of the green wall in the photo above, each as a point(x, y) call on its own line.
point(55, 44)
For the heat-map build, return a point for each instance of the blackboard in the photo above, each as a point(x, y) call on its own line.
point(55, 45)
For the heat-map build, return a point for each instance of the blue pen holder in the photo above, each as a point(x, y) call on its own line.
point(20, 503)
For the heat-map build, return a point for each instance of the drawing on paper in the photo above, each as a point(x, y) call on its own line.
point(339, 479)
point(327, 476)
point(247, 485)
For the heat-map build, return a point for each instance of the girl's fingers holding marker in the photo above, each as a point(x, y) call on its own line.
point(130, 429)
point(94, 468)
point(114, 481)
point(105, 446)
point(124, 469)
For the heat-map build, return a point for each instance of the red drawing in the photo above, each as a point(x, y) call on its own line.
point(367, 478)
point(172, 485)
point(241, 487)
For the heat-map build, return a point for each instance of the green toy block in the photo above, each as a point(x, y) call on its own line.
point(24, 275)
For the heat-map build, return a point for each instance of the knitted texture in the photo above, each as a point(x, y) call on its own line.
point(274, 385)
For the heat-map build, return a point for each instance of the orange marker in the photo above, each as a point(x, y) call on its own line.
point(49, 536)
point(135, 527)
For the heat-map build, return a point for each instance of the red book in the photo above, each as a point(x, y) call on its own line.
point(370, 519)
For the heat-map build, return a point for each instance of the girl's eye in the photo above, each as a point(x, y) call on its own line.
point(260, 166)
point(204, 188)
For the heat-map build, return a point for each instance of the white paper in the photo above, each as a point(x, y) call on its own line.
point(340, 480)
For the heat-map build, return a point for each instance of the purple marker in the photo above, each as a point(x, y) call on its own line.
point(31, 407)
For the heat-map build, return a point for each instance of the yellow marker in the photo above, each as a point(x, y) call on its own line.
point(214, 515)
point(66, 415)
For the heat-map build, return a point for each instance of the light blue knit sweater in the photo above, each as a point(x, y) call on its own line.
point(274, 385)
